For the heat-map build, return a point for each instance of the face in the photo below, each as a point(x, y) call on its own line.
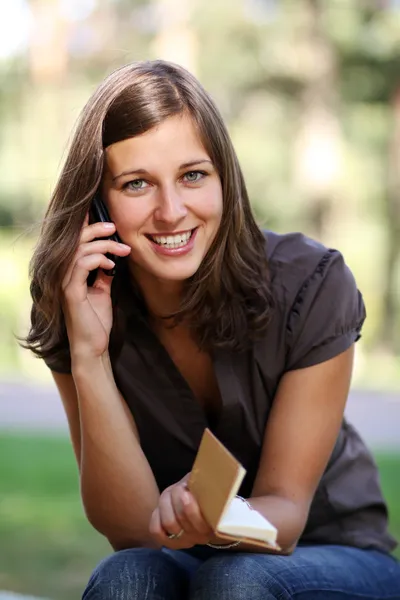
point(165, 198)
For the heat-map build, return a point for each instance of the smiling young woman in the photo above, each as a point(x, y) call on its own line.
point(206, 321)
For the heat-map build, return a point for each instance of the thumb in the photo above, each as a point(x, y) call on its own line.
point(185, 480)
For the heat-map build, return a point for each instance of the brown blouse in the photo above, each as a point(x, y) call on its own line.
point(318, 314)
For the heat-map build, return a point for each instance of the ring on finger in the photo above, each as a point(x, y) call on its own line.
point(175, 536)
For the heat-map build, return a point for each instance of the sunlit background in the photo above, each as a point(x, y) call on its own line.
point(310, 90)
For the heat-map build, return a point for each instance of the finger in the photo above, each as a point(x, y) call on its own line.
point(177, 495)
point(88, 234)
point(155, 528)
point(169, 521)
point(191, 513)
point(97, 247)
point(160, 536)
point(77, 285)
point(96, 230)
point(67, 274)
point(184, 481)
point(103, 246)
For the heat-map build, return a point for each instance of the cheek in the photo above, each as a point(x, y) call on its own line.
point(211, 204)
point(129, 217)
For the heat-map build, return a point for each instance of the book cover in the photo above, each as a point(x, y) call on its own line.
point(214, 481)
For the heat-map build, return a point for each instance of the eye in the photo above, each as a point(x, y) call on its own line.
point(194, 176)
point(135, 185)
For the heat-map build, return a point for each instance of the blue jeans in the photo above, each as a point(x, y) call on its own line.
point(310, 573)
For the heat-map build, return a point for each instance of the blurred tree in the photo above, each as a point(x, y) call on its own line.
point(298, 70)
point(12, 91)
point(318, 152)
point(369, 63)
point(389, 333)
point(48, 47)
point(175, 39)
point(115, 33)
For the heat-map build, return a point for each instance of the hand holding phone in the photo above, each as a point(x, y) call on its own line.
point(98, 213)
point(89, 310)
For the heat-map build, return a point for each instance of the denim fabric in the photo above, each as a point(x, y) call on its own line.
point(310, 573)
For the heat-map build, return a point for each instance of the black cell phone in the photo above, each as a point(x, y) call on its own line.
point(98, 212)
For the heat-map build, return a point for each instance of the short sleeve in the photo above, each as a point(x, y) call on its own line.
point(327, 314)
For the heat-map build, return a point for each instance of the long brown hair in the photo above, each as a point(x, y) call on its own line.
point(228, 300)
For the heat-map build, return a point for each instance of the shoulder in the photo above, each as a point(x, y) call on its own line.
point(292, 257)
point(297, 262)
point(316, 295)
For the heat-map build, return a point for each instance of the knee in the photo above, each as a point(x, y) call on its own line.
point(133, 574)
point(237, 577)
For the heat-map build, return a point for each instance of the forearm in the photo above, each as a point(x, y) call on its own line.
point(118, 488)
point(288, 517)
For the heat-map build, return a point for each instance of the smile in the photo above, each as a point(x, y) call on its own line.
point(178, 240)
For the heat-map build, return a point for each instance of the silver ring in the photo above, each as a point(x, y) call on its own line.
point(175, 536)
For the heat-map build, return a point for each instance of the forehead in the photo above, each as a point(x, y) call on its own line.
point(175, 140)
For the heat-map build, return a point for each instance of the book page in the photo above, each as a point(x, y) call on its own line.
point(241, 520)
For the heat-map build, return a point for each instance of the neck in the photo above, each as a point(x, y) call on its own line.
point(161, 297)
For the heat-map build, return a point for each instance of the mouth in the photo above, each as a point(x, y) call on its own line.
point(172, 241)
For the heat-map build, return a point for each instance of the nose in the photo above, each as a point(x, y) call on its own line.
point(171, 207)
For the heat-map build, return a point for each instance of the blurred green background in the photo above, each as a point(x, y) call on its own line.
point(311, 93)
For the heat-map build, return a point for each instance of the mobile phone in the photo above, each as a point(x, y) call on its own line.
point(98, 212)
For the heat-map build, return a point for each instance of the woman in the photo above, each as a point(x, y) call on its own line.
point(206, 321)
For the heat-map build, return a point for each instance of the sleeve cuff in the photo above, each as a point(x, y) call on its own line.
point(331, 348)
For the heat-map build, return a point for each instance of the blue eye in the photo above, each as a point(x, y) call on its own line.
point(135, 185)
point(194, 176)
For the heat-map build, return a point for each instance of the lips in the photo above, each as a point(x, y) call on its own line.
point(184, 245)
point(176, 240)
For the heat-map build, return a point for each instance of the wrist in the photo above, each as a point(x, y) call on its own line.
point(83, 367)
point(221, 543)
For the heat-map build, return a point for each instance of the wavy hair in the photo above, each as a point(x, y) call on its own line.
point(228, 299)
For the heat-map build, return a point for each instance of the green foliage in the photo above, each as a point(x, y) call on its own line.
point(307, 85)
point(14, 297)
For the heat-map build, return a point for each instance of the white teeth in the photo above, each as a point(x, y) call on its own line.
point(173, 241)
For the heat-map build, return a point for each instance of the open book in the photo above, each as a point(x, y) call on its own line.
point(214, 481)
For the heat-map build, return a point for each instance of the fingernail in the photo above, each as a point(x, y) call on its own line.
point(185, 499)
point(124, 246)
point(108, 225)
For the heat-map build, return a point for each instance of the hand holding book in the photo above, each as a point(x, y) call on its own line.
point(214, 481)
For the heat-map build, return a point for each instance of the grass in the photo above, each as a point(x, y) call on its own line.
point(46, 546)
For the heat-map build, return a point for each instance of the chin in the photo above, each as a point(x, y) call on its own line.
point(180, 273)
point(171, 270)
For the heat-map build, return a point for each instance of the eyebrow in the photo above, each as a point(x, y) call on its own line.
point(186, 165)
